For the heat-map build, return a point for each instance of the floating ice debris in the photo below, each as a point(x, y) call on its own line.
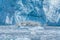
point(28, 23)
point(22, 39)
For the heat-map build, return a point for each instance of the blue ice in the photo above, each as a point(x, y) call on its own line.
point(42, 11)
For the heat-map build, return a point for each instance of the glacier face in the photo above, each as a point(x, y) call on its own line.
point(14, 11)
point(42, 11)
point(52, 12)
point(7, 8)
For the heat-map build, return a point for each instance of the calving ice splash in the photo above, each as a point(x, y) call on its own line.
point(43, 11)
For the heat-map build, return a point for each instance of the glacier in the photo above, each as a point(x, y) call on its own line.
point(29, 19)
point(42, 11)
point(52, 12)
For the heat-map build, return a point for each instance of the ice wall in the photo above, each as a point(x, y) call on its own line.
point(7, 10)
point(42, 11)
point(31, 10)
point(52, 8)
